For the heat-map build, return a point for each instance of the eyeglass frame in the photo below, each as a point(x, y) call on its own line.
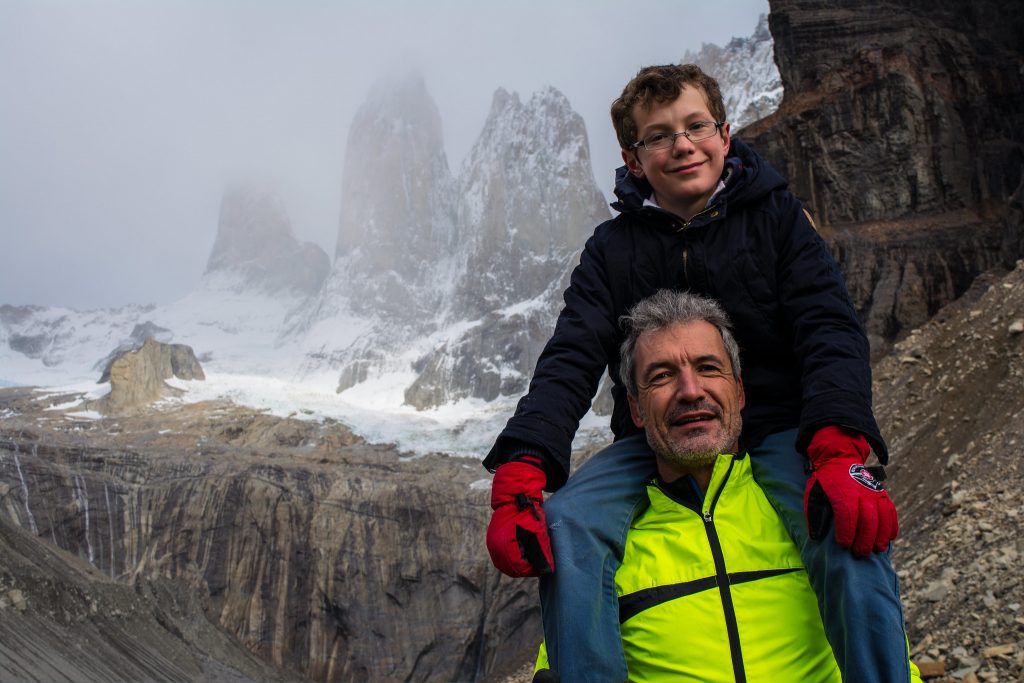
point(674, 136)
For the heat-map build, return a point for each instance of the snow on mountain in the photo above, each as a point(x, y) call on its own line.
point(746, 73)
point(528, 199)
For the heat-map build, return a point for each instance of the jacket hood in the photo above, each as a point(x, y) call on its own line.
point(748, 177)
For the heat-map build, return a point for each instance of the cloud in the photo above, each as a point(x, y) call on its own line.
point(123, 121)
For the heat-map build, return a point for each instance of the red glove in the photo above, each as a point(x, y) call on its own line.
point(517, 537)
point(841, 487)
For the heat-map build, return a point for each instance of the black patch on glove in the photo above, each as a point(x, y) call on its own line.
point(530, 548)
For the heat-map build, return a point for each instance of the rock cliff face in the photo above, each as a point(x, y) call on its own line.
point(527, 201)
point(900, 273)
point(62, 619)
point(902, 111)
point(397, 225)
point(894, 113)
point(320, 553)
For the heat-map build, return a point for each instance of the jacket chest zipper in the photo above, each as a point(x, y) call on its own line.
point(722, 578)
point(680, 227)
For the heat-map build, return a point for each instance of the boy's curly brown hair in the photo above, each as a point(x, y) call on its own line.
point(658, 85)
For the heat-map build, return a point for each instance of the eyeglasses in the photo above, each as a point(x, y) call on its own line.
point(701, 130)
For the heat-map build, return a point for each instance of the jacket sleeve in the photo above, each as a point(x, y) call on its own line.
point(568, 371)
point(828, 339)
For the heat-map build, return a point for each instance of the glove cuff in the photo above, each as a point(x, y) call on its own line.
point(837, 442)
point(515, 479)
point(529, 456)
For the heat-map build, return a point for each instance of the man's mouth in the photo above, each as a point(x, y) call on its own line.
point(689, 417)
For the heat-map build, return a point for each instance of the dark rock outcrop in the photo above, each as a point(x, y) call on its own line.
point(137, 377)
point(900, 273)
point(897, 108)
point(895, 115)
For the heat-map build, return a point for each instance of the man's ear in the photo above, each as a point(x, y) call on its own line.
point(740, 393)
point(634, 412)
point(632, 163)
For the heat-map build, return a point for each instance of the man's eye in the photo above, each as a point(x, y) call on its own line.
point(655, 139)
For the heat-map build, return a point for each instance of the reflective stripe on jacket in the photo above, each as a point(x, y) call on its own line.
point(715, 590)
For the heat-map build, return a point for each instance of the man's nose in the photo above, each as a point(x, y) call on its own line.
point(689, 386)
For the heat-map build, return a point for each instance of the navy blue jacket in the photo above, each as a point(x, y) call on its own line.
point(805, 356)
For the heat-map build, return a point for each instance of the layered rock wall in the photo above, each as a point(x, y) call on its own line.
point(897, 114)
point(892, 109)
point(323, 555)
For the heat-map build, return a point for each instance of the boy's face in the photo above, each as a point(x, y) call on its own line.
point(684, 176)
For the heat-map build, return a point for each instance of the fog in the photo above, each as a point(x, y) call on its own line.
point(122, 122)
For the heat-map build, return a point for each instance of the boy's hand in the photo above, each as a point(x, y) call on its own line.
point(842, 488)
point(517, 536)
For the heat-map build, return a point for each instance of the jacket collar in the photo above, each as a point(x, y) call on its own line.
point(729, 471)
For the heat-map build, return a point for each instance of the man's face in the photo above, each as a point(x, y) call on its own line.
point(685, 175)
point(688, 400)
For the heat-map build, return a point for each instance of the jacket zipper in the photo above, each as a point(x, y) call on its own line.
point(686, 249)
point(722, 578)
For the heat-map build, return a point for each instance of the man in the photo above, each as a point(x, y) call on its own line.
point(711, 587)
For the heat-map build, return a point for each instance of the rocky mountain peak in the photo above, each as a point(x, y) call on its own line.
point(397, 219)
point(746, 73)
point(256, 249)
point(528, 198)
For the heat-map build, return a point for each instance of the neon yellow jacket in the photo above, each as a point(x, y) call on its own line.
point(714, 589)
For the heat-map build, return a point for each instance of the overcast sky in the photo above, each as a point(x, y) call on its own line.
point(122, 122)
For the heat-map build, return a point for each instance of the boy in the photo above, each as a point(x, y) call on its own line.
point(702, 212)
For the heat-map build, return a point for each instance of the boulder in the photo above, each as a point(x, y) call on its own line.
point(137, 377)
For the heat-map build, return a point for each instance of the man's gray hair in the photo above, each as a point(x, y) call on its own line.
point(662, 309)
